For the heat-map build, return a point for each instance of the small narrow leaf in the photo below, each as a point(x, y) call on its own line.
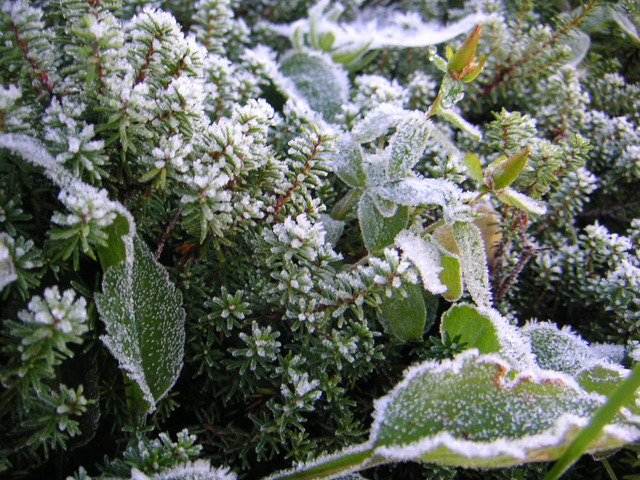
point(521, 201)
point(425, 256)
point(451, 277)
point(379, 231)
point(473, 261)
point(474, 167)
point(405, 312)
point(144, 320)
point(504, 171)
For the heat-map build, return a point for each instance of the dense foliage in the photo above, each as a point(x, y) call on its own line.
point(227, 227)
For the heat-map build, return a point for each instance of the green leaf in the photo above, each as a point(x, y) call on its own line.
point(624, 394)
point(408, 143)
point(474, 329)
point(473, 261)
point(474, 167)
point(519, 200)
point(377, 122)
point(504, 171)
point(115, 250)
point(144, 320)
point(473, 412)
point(405, 312)
point(559, 350)
point(379, 231)
point(318, 80)
point(347, 162)
point(451, 277)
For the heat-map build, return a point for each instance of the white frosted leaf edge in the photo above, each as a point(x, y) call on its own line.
point(420, 191)
point(364, 449)
point(197, 470)
point(521, 201)
point(382, 28)
point(145, 328)
point(377, 122)
point(505, 452)
point(425, 256)
point(515, 347)
point(473, 262)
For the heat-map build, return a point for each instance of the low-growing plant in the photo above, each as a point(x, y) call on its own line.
point(228, 227)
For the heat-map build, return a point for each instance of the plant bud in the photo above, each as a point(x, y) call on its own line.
point(463, 65)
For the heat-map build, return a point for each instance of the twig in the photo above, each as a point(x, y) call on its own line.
point(174, 221)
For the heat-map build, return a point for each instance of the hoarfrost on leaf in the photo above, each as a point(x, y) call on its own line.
point(323, 84)
point(425, 256)
point(473, 262)
point(144, 319)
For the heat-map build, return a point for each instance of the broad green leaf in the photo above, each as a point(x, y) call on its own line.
point(408, 143)
point(451, 277)
point(474, 329)
point(488, 331)
point(379, 231)
point(116, 249)
point(473, 261)
point(318, 80)
point(604, 378)
point(347, 162)
point(559, 350)
point(519, 200)
point(377, 122)
point(144, 320)
point(473, 412)
point(405, 312)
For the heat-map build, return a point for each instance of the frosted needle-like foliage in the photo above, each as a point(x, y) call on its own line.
point(61, 311)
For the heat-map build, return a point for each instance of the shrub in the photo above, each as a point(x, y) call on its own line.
point(228, 227)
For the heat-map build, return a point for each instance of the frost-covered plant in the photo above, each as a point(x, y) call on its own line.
point(236, 223)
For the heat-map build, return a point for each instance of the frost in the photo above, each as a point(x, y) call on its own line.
point(486, 329)
point(7, 269)
point(521, 201)
point(425, 255)
point(377, 122)
point(407, 145)
point(61, 312)
point(197, 470)
point(316, 79)
point(380, 28)
point(144, 319)
point(473, 262)
point(422, 418)
point(420, 191)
